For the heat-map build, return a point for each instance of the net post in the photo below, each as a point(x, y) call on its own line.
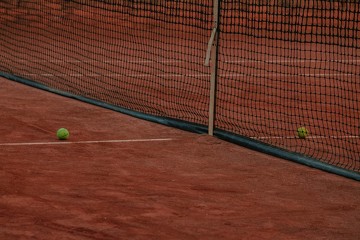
point(212, 54)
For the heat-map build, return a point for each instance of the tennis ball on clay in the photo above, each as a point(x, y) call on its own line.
point(62, 134)
point(302, 132)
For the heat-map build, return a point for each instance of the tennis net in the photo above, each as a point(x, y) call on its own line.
point(280, 64)
point(286, 64)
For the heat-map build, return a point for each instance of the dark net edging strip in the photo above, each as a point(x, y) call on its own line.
point(280, 66)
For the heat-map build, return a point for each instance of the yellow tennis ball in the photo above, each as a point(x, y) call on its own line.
point(62, 134)
point(302, 132)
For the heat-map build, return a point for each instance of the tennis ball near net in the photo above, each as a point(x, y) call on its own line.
point(62, 134)
point(302, 132)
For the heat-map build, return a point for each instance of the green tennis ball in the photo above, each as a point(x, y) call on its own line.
point(62, 134)
point(302, 132)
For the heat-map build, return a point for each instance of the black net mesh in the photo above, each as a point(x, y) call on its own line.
point(281, 64)
point(289, 64)
point(142, 55)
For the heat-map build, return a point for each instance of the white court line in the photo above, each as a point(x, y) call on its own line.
point(86, 142)
point(96, 61)
point(191, 75)
point(310, 137)
point(179, 61)
point(295, 61)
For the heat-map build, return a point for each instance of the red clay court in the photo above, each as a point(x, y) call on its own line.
point(122, 178)
point(275, 66)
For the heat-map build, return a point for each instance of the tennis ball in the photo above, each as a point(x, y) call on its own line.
point(302, 132)
point(62, 134)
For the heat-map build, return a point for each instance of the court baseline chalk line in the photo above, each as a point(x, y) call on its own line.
point(179, 61)
point(87, 142)
point(309, 137)
point(191, 75)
